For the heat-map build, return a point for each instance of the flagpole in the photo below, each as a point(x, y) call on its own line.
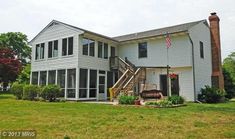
point(167, 73)
point(168, 44)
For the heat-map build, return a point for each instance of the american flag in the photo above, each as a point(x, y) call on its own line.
point(168, 40)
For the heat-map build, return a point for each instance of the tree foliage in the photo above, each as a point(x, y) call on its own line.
point(229, 75)
point(10, 66)
point(24, 76)
point(16, 41)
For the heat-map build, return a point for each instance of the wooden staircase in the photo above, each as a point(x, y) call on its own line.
point(130, 76)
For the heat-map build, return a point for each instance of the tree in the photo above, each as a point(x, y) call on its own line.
point(16, 41)
point(229, 75)
point(10, 66)
point(24, 76)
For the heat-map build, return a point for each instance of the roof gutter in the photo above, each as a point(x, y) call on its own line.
point(193, 65)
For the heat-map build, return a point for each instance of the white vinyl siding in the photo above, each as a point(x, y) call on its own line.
point(180, 52)
point(203, 67)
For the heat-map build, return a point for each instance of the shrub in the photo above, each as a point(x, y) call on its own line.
point(123, 99)
point(50, 92)
point(211, 95)
point(176, 99)
point(17, 90)
point(161, 103)
point(30, 92)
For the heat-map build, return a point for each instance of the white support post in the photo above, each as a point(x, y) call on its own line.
point(97, 85)
point(56, 73)
point(47, 76)
point(38, 78)
point(30, 77)
point(77, 84)
point(65, 89)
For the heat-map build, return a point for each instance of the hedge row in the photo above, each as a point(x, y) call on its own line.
point(32, 92)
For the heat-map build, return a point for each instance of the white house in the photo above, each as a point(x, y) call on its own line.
point(79, 61)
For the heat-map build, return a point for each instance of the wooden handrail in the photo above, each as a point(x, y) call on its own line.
point(130, 72)
point(136, 72)
point(120, 79)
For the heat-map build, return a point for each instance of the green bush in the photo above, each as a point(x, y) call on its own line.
point(17, 90)
point(31, 92)
point(211, 95)
point(161, 103)
point(50, 92)
point(129, 100)
point(176, 99)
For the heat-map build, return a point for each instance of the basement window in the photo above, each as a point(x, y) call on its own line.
point(201, 50)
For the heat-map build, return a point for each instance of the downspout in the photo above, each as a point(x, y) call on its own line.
point(193, 66)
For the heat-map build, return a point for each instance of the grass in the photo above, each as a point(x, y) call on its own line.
point(80, 120)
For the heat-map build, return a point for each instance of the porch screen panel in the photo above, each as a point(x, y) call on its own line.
point(93, 83)
point(61, 81)
point(71, 83)
point(83, 83)
point(43, 78)
point(51, 76)
point(34, 78)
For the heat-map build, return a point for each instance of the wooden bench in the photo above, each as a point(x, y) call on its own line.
point(151, 94)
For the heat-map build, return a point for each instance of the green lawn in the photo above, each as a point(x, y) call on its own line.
point(79, 120)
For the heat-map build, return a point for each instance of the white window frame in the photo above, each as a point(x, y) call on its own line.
point(53, 49)
point(40, 53)
point(67, 47)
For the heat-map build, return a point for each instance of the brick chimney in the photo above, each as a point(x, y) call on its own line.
point(217, 75)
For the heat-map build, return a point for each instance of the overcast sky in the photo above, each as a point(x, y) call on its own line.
point(116, 17)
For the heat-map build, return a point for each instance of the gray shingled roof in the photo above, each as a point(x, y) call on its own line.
point(158, 32)
point(138, 35)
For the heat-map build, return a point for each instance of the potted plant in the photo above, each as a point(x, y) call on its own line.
point(137, 101)
point(173, 76)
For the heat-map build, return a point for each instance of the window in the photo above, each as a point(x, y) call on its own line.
point(61, 81)
point(93, 81)
point(201, 50)
point(34, 79)
point(85, 43)
point(100, 49)
point(142, 49)
point(70, 49)
point(88, 45)
point(51, 76)
point(92, 48)
point(64, 47)
point(71, 83)
point(113, 51)
point(83, 83)
point(105, 51)
point(43, 78)
point(53, 49)
point(39, 54)
point(101, 84)
point(67, 46)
